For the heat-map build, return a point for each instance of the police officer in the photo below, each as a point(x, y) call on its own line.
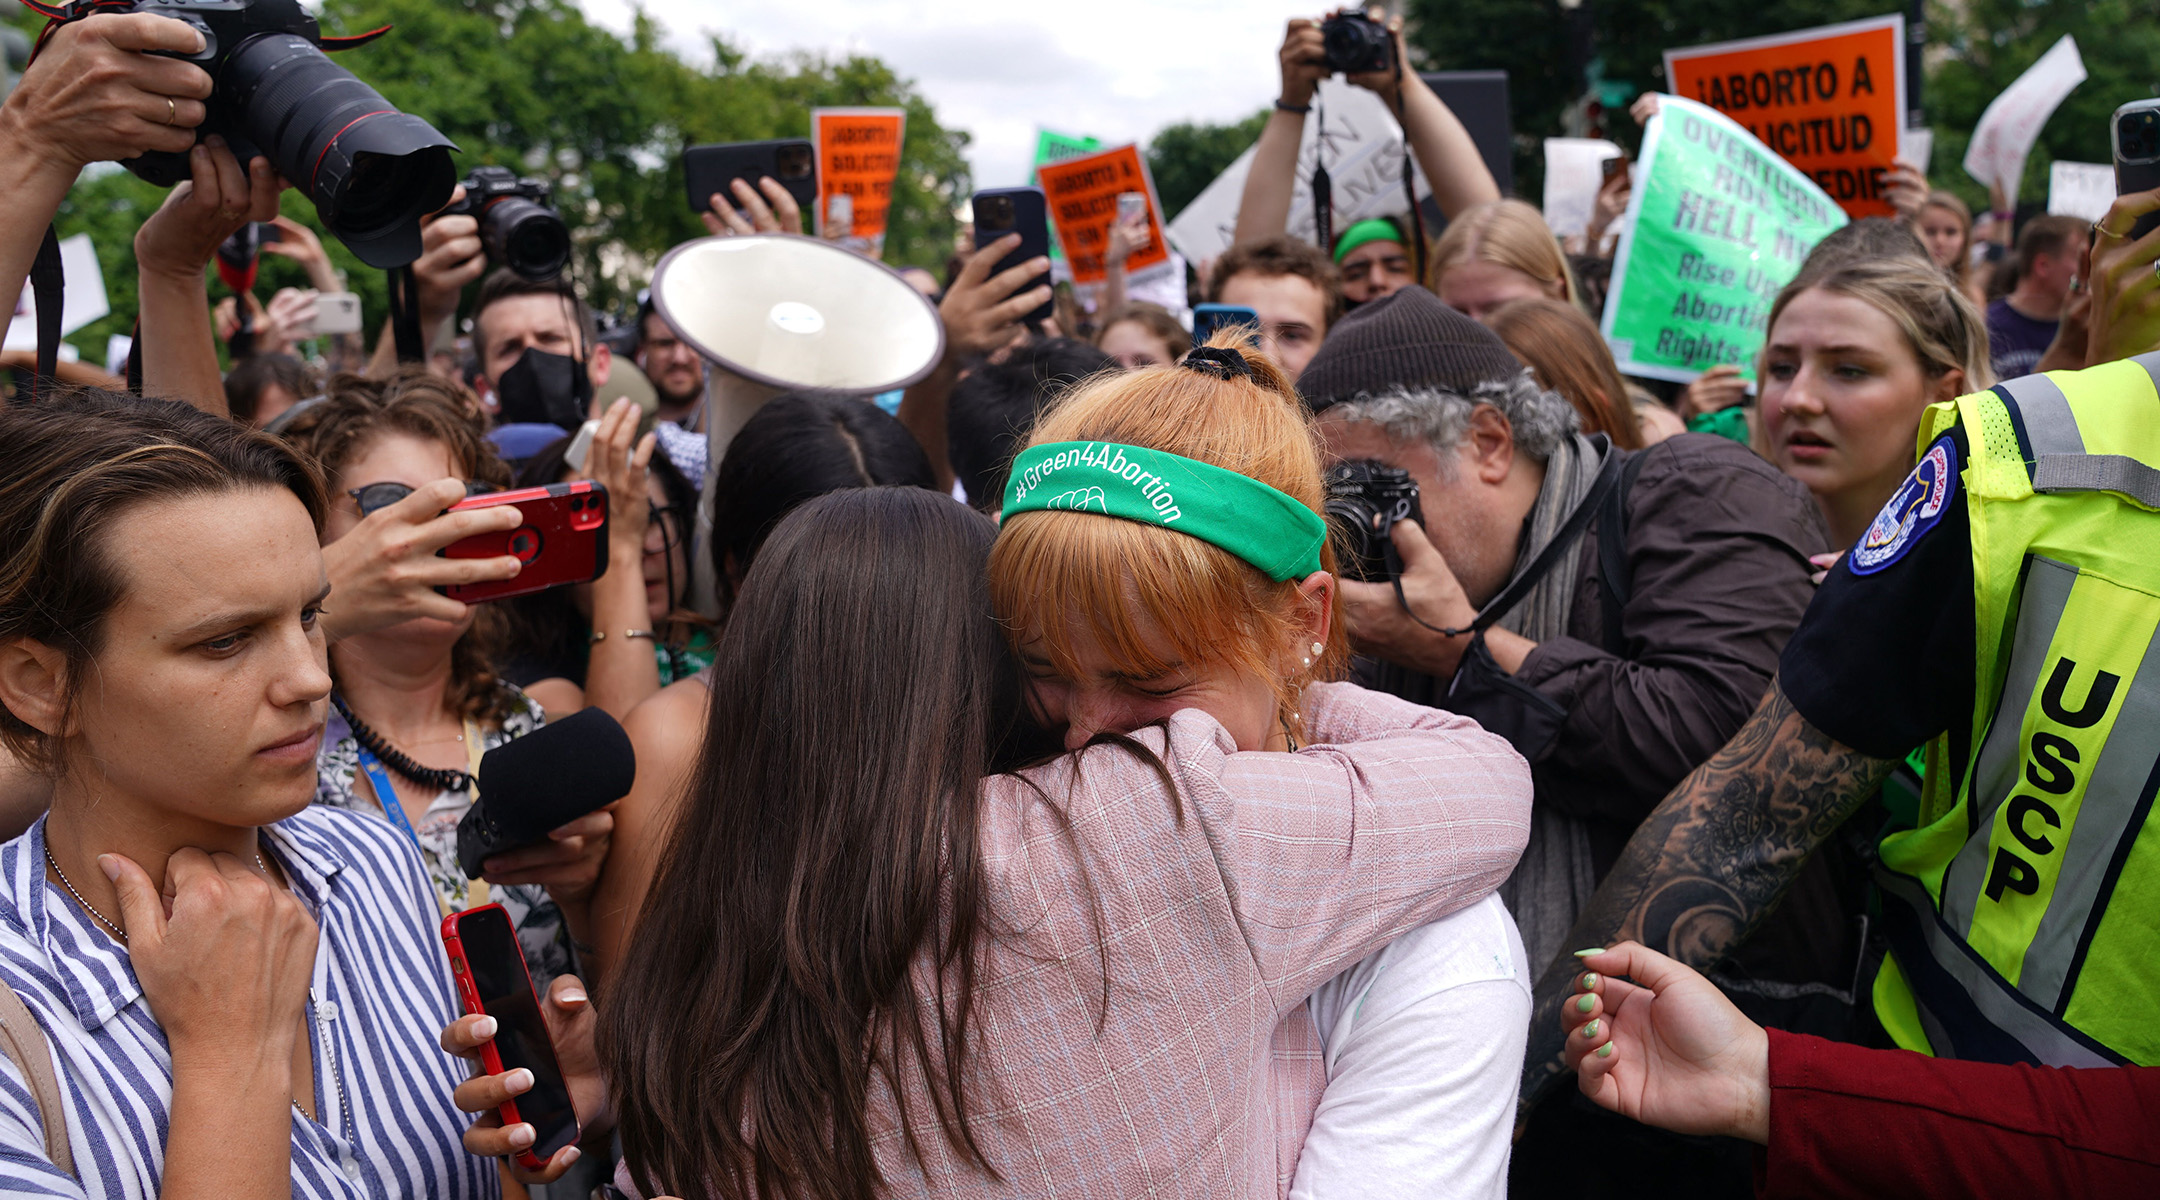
point(2003, 610)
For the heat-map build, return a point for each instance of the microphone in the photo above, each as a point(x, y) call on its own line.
point(542, 781)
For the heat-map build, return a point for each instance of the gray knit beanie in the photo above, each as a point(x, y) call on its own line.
point(1409, 339)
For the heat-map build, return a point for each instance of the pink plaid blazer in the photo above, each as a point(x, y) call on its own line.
point(1219, 910)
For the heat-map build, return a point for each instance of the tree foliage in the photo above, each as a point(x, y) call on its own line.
point(1186, 157)
point(535, 86)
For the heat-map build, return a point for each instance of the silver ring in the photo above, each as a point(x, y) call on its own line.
point(172, 111)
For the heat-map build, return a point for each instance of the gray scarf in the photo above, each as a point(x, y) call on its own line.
point(1554, 880)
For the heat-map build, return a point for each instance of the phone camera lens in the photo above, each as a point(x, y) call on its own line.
point(576, 503)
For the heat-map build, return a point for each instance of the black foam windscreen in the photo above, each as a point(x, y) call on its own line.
point(545, 780)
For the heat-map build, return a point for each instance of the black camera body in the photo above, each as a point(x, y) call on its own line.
point(371, 170)
point(518, 226)
point(1365, 499)
point(1356, 44)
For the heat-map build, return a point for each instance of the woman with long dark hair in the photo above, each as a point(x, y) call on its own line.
point(872, 965)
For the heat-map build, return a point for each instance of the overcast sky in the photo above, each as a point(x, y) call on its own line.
point(1115, 69)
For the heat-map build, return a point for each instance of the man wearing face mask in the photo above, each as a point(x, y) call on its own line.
point(540, 359)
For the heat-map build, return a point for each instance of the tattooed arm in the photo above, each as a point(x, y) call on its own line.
point(1714, 858)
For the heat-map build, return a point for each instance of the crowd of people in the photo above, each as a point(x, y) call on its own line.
point(1042, 786)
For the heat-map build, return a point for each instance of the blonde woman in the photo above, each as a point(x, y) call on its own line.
point(1496, 253)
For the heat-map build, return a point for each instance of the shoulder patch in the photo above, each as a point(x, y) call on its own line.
point(1916, 507)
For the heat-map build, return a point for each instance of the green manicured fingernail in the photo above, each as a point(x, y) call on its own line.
point(1589, 980)
point(1585, 1004)
point(1605, 1051)
point(1592, 950)
point(1590, 1031)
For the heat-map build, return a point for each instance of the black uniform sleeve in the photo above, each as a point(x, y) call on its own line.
point(1884, 662)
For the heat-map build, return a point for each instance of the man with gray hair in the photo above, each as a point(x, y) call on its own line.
point(1616, 615)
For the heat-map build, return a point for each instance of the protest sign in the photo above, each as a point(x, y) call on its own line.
point(82, 298)
point(858, 155)
point(1830, 99)
point(1083, 194)
point(1718, 222)
point(1917, 146)
point(2011, 124)
point(2079, 189)
point(1574, 171)
point(1363, 152)
point(1053, 147)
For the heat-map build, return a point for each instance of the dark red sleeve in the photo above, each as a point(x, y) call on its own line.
point(1849, 1121)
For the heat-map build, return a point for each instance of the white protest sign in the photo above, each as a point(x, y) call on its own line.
point(83, 301)
point(1363, 153)
point(1574, 171)
point(2011, 124)
point(2080, 189)
point(1917, 146)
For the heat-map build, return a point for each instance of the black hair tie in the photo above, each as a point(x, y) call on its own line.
point(1221, 362)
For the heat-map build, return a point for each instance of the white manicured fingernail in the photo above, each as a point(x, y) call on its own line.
point(520, 1080)
point(484, 1027)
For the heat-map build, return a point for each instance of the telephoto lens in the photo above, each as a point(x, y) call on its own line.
point(517, 228)
point(371, 170)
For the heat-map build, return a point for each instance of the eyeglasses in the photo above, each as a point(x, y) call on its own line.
point(373, 497)
point(667, 518)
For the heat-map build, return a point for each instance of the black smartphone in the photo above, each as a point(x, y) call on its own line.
point(491, 978)
point(2136, 127)
point(1207, 319)
point(1020, 210)
point(710, 171)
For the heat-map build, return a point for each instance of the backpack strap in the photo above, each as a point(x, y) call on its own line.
point(1613, 570)
point(24, 1042)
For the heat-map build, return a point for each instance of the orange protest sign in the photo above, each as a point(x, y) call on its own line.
point(1083, 194)
point(1830, 99)
point(858, 156)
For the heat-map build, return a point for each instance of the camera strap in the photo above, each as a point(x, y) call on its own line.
point(1323, 187)
point(1563, 542)
point(405, 315)
point(48, 283)
point(1409, 180)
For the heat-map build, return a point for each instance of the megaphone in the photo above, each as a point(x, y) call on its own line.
point(773, 313)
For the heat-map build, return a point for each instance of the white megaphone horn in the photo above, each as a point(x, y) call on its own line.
point(774, 313)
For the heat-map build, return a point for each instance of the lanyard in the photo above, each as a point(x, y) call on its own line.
point(386, 796)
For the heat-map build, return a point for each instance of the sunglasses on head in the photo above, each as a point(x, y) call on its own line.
point(375, 496)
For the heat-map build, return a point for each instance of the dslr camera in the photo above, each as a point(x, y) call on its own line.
point(518, 228)
point(1356, 44)
point(1364, 501)
point(371, 170)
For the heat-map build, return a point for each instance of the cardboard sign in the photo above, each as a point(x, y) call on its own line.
point(2082, 190)
point(1083, 194)
point(1574, 173)
point(2011, 124)
point(859, 154)
point(1364, 157)
point(1717, 224)
point(1830, 99)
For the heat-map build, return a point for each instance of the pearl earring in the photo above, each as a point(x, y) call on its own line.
point(1318, 649)
point(1308, 660)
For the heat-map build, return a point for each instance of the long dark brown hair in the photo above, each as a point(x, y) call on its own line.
point(861, 693)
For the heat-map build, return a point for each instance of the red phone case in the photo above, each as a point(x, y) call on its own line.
point(469, 1000)
point(563, 540)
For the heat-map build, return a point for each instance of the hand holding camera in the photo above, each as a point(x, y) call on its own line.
point(517, 227)
point(982, 311)
point(218, 200)
point(102, 89)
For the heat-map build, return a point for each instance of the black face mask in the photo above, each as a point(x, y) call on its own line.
point(544, 389)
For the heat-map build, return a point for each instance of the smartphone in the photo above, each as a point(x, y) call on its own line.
point(491, 979)
point(335, 312)
point(563, 540)
point(1131, 206)
point(1616, 165)
point(712, 170)
point(581, 446)
point(2137, 156)
point(1208, 318)
point(1020, 210)
point(840, 216)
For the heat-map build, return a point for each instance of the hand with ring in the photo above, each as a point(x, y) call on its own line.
point(2124, 276)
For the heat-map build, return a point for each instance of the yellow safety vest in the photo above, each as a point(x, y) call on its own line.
point(2023, 913)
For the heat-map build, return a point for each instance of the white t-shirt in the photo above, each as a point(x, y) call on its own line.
point(1424, 1051)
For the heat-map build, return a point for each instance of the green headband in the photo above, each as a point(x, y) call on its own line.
point(1376, 229)
point(1259, 524)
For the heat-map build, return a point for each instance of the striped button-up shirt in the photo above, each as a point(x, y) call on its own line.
point(380, 992)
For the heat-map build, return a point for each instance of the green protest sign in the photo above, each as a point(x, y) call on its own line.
point(1053, 147)
point(1717, 224)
